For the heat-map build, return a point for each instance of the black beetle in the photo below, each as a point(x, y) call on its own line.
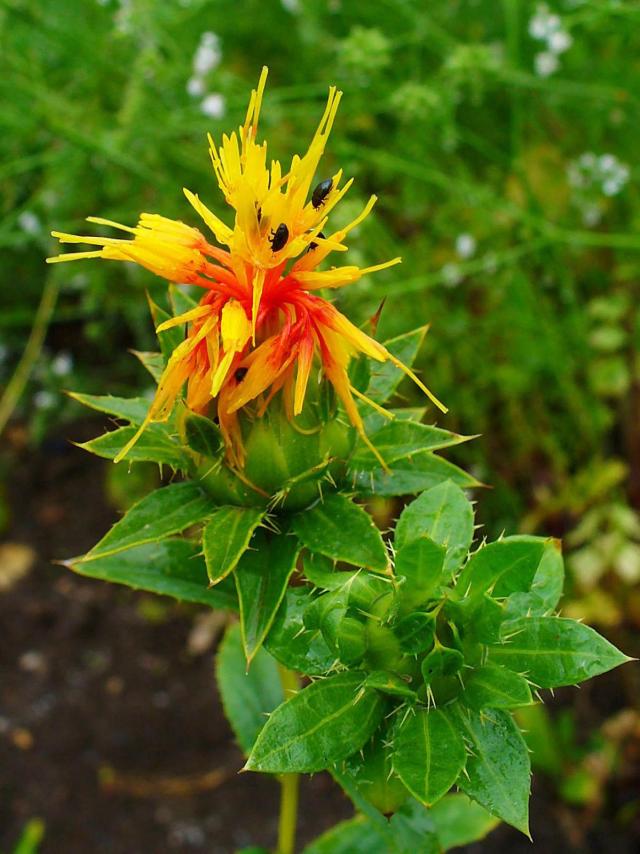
point(240, 374)
point(313, 244)
point(279, 237)
point(321, 192)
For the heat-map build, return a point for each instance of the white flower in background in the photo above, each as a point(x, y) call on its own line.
point(29, 222)
point(559, 41)
point(214, 105)
point(546, 63)
point(604, 174)
point(465, 245)
point(207, 57)
point(208, 54)
point(292, 6)
point(547, 27)
point(593, 176)
point(44, 399)
point(451, 275)
point(544, 23)
point(62, 364)
point(195, 87)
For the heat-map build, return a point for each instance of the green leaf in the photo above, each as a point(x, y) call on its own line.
point(419, 566)
point(413, 830)
point(481, 618)
point(554, 651)
point(133, 409)
point(158, 515)
point(262, 575)
point(155, 446)
point(226, 537)
point(354, 836)
point(389, 683)
point(170, 338)
point(322, 572)
point(325, 722)
point(546, 588)
point(501, 568)
point(385, 376)
point(202, 435)
point(291, 643)
point(495, 687)
point(249, 696)
point(498, 771)
point(170, 568)
point(460, 821)
point(423, 470)
point(398, 440)
point(415, 631)
point(371, 772)
point(180, 299)
point(374, 421)
point(445, 515)
point(341, 530)
point(410, 830)
point(428, 754)
point(153, 362)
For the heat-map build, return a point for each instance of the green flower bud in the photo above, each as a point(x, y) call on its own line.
point(441, 661)
point(285, 461)
point(366, 589)
point(351, 640)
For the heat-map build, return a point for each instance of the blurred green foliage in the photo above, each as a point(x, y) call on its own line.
point(501, 138)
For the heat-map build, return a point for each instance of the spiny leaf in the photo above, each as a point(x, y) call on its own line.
point(460, 821)
point(133, 409)
point(423, 470)
point(341, 530)
point(399, 439)
point(158, 515)
point(170, 568)
point(385, 376)
point(495, 687)
point(155, 446)
point(445, 515)
point(504, 567)
point(428, 754)
point(554, 651)
point(498, 770)
point(262, 575)
point(291, 643)
point(202, 435)
point(325, 722)
point(153, 362)
point(226, 537)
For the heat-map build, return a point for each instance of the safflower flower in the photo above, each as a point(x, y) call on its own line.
point(260, 325)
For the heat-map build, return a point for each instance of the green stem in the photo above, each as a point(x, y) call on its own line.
point(289, 784)
point(18, 381)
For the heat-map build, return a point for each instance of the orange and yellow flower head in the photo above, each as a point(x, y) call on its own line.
point(260, 327)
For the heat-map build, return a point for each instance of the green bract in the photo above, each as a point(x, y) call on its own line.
point(418, 644)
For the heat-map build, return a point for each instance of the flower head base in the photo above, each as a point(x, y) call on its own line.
point(259, 327)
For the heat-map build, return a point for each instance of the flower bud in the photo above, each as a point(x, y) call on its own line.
point(285, 461)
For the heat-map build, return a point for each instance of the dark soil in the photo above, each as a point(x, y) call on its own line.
point(111, 727)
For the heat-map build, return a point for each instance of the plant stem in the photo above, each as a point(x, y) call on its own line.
point(289, 784)
point(288, 813)
point(18, 381)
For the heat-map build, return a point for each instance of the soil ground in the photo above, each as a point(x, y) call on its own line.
point(112, 732)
